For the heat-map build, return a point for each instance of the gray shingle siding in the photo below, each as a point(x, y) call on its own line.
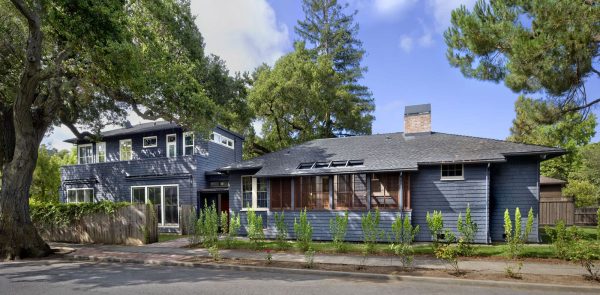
point(514, 184)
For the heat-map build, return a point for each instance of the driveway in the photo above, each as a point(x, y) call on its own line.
point(59, 277)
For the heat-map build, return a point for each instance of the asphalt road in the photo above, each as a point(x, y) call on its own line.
point(65, 278)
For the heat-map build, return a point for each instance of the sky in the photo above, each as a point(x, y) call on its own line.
point(405, 59)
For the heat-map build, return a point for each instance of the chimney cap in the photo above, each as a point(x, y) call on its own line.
point(417, 109)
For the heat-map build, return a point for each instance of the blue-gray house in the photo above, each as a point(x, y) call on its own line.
point(158, 162)
point(405, 173)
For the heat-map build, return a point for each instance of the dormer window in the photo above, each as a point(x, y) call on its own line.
point(452, 172)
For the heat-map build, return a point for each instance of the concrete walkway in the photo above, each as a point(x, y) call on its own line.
point(173, 251)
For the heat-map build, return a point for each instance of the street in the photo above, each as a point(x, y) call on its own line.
point(65, 278)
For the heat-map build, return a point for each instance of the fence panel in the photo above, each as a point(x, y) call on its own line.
point(586, 216)
point(557, 209)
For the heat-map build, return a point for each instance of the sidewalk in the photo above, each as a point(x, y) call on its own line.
point(172, 251)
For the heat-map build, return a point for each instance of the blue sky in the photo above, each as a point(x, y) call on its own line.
point(405, 57)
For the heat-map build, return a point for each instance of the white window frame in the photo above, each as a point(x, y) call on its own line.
point(162, 201)
point(254, 194)
point(462, 168)
point(98, 145)
point(218, 138)
point(121, 152)
point(186, 146)
point(79, 157)
point(171, 143)
point(150, 146)
point(80, 189)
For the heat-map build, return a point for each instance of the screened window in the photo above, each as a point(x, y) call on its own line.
point(188, 143)
point(247, 192)
point(385, 189)
point(125, 150)
point(150, 142)
point(452, 172)
point(101, 152)
point(350, 191)
point(85, 154)
point(311, 192)
point(80, 195)
point(281, 193)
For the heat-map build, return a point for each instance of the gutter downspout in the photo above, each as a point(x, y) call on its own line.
point(487, 204)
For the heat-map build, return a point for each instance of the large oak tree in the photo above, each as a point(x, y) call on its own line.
point(89, 63)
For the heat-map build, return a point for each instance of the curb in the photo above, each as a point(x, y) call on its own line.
point(355, 275)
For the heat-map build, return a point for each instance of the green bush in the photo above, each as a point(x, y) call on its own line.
point(193, 235)
point(255, 230)
point(303, 231)
point(281, 228)
point(404, 235)
point(467, 229)
point(207, 225)
point(515, 236)
point(338, 227)
point(370, 228)
point(435, 223)
point(63, 214)
point(587, 253)
point(562, 238)
point(234, 227)
point(224, 222)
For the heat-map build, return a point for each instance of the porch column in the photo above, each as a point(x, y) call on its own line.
point(401, 193)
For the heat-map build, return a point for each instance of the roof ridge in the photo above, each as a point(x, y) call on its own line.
point(500, 140)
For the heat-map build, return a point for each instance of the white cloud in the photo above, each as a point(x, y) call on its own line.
point(387, 7)
point(244, 33)
point(406, 43)
point(426, 40)
point(442, 10)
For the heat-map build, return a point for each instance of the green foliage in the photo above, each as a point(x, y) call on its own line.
point(515, 236)
point(562, 238)
point(224, 222)
point(584, 184)
point(435, 223)
point(450, 254)
point(66, 213)
point(309, 258)
point(254, 228)
point(207, 225)
point(281, 228)
point(467, 229)
point(584, 192)
point(370, 228)
point(598, 224)
point(234, 227)
point(194, 236)
point(303, 231)
point(404, 235)
point(338, 226)
point(587, 253)
point(46, 176)
point(531, 46)
point(534, 124)
point(214, 252)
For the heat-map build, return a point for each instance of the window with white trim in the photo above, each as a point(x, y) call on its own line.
point(166, 197)
point(80, 195)
point(85, 153)
point(254, 193)
point(188, 143)
point(125, 150)
point(100, 152)
point(150, 142)
point(452, 172)
point(247, 192)
point(222, 140)
point(172, 145)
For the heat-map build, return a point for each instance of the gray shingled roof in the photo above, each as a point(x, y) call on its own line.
point(550, 180)
point(143, 128)
point(391, 152)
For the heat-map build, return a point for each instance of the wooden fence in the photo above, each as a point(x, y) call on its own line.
point(130, 225)
point(554, 209)
point(586, 216)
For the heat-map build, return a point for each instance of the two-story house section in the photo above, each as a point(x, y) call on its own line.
point(158, 162)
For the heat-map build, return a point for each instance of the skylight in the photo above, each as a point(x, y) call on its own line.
point(331, 164)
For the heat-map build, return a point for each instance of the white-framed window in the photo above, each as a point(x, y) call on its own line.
point(125, 150)
point(80, 195)
point(452, 172)
point(171, 145)
point(166, 197)
point(100, 152)
point(85, 153)
point(222, 140)
point(150, 142)
point(254, 193)
point(188, 143)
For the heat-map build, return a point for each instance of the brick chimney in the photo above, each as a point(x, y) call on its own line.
point(417, 119)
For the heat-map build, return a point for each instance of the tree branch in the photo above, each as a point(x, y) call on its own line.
point(25, 11)
point(578, 108)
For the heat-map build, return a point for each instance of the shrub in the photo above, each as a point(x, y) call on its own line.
point(515, 236)
point(281, 228)
point(370, 228)
point(192, 220)
point(404, 235)
point(208, 224)
point(449, 252)
point(224, 223)
point(268, 256)
point(63, 214)
point(234, 227)
point(338, 227)
point(303, 231)
point(255, 228)
point(435, 223)
point(214, 252)
point(587, 253)
point(562, 238)
point(309, 258)
point(467, 229)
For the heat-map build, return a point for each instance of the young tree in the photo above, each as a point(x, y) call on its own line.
point(88, 63)
point(46, 176)
point(546, 47)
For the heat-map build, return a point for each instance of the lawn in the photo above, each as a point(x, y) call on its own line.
point(164, 237)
